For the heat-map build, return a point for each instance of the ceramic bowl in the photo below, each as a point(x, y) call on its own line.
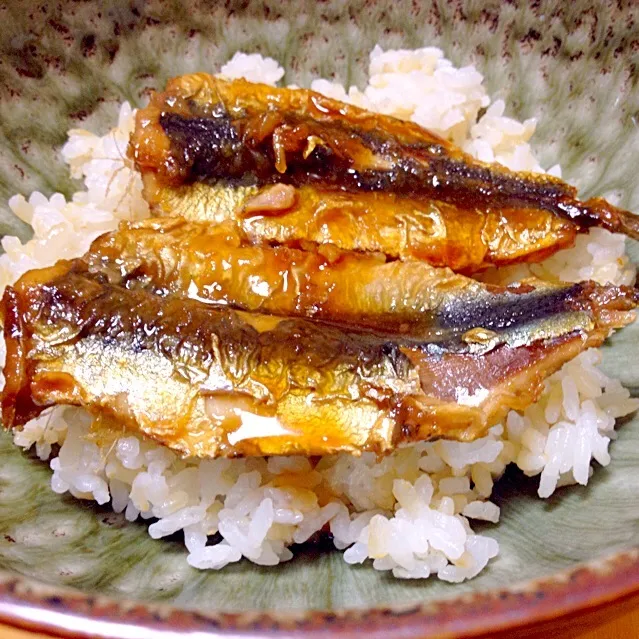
point(72, 568)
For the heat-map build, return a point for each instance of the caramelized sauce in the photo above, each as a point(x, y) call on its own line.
point(363, 291)
point(204, 382)
point(322, 212)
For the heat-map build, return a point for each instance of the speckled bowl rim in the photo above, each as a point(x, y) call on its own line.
point(70, 613)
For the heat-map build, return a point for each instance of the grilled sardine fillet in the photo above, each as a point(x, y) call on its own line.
point(210, 382)
point(329, 172)
point(437, 233)
point(213, 264)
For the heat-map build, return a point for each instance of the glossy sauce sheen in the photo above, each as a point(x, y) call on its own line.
point(214, 264)
point(211, 382)
point(400, 228)
point(205, 130)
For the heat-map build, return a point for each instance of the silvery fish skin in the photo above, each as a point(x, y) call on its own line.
point(214, 264)
point(240, 138)
point(437, 233)
point(212, 382)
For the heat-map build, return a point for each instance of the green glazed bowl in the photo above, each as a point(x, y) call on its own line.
point(79, 570)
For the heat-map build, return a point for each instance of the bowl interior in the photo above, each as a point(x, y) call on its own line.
point(70, 65)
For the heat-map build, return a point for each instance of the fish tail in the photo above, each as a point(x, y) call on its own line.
point(619, 298)
point(611, 307)
point(629, 224)
point(614, 219)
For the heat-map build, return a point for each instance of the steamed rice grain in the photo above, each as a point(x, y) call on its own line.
point(411, 512)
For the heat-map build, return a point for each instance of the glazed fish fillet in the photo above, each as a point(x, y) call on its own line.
point(293, 166)
point(212, 263)
point(212, 382)
point(437, 233)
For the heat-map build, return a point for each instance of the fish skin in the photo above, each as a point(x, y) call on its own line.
point(153, 363)
point(203, 381)
point(216, 265)
point(209, 130)
point(437, 233)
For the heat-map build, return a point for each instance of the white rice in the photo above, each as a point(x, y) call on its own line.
point(410, 512)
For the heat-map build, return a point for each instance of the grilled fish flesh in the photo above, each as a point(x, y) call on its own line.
point(208, 381)
point(292, 165)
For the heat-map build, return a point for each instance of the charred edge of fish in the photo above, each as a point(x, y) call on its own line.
point(208, 145)
point(213, 152)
